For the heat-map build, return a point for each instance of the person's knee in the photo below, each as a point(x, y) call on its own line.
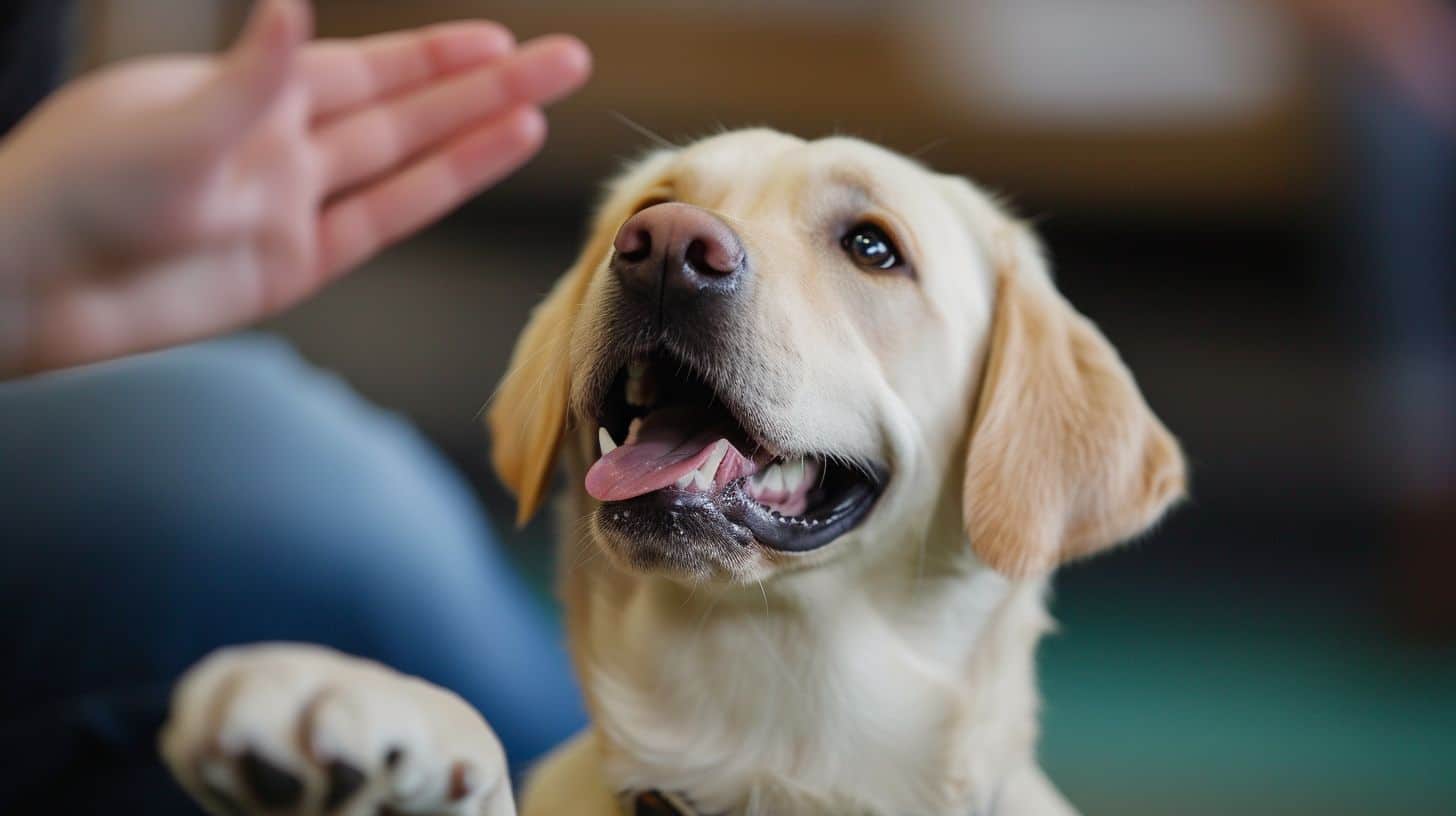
point(227, 438)
point(214, 494)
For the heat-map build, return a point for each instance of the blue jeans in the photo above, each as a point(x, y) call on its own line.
point(154, 509)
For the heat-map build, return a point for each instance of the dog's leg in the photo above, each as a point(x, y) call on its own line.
point(305, 730)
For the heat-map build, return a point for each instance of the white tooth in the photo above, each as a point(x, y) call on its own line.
point(793, 474)
point(605, 440)
point(773, 481)
point(703, 476)
point(632, 430)
point(686, 480)
point(710, 466)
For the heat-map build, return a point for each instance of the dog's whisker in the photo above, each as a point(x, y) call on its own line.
point(702, 621)
point(516, 371)
point(694, 636)
point(587, 547)
point(786, 672)
point(692, 593)
point(921, 151)
point(741, 222)
point(592, 555)
point(642, 130)
point(588, 551)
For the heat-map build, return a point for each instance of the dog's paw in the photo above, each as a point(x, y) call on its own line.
point(305, 730)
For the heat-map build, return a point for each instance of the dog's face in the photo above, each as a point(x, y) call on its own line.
point(774, 351)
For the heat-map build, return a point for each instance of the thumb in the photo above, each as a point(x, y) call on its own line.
point(253, 73)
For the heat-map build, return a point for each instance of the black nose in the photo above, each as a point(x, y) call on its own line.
point(676, 254)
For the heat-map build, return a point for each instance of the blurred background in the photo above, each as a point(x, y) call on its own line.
point(1256, 200)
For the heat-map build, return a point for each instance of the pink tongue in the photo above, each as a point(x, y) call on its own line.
point(666, 449)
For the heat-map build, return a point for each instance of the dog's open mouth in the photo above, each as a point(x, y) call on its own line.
point(670, 445)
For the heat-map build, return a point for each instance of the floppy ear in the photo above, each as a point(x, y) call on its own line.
point(1065, 457)
point(528, 415)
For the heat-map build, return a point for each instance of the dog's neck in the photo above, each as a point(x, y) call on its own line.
point(913, 693)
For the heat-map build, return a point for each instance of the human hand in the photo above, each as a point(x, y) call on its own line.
point(166, 200)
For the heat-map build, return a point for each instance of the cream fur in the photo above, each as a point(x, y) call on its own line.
point(893, 673)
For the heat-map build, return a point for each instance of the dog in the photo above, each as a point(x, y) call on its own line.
point(828, 428)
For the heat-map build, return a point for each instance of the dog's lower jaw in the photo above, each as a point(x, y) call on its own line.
point(750, 702)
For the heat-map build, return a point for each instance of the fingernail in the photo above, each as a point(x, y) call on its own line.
point(285, 23)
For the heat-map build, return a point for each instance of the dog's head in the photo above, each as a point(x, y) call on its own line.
point(774, 350)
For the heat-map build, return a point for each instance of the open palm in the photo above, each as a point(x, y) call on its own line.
point(171, 199)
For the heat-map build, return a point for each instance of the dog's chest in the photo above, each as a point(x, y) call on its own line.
point(772, 713)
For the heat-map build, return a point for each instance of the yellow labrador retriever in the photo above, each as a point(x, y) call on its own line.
point(828, 428)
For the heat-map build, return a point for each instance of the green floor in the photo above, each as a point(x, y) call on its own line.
point(1201, 703)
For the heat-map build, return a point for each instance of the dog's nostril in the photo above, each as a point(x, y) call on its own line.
point(637, 246)
point(706, 262)
point(697, 255)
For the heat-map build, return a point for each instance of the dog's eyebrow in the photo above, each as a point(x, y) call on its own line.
point(861, 186)
point(864, 193)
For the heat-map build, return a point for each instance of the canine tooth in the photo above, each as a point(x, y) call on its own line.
point(686, 480)
point(632, 430)
point(710, 466)
point(773, 481)
point(605, 440)
point(793, 474)
point(703, 476)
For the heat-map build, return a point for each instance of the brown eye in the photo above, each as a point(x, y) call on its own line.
point(869, 247)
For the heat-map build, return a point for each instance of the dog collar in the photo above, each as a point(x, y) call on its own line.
point(656, 803)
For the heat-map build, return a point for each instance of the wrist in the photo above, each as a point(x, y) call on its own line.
point(23, 257)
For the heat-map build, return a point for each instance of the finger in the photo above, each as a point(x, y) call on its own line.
point(359, 147)
point(253, 74)
point(362, 224)
point(343, 74)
